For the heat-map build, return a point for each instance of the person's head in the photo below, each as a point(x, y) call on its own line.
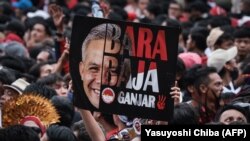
point(55, 81)
point(93, 69)
point(184, 114)
point(35, 123)
point(196, 10)
point(16, 88)
point(65, 109)
point(6, 76)
point(45, 55)
point(196, 42)
point(42, 90)
point(142, 4)
point(58, 133)
point(224, 62)
point(16, 27)
point(41, 70)
point(40, 31)
point(20, 133)
point(80, 131)
point(174, 9)
point(242, 41)
point(225, 41)
point(232, 113)
point(208, 85)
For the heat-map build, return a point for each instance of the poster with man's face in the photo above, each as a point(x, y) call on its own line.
point(123, 68)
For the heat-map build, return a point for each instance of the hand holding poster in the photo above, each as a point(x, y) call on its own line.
point(123, 68)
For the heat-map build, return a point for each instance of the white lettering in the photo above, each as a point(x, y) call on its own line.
point(141, 100)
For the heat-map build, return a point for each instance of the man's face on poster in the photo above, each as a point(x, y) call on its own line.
point(95, 71)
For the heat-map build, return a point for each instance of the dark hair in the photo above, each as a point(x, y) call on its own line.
point(42, 90)
point(82, 134)
point(65, 109)
point(242, 32)
point(197, 6)
point(16, 27)
point(184, 114)
point(108, 118)
point(200, 40)
point(115, 16)
point(217, 21)
point(200, 29)
point(20, 133)
point(13, 63)
point(120, 11)
point(180, 66)
point(154, 8)
point(202, 75)
point(36, 68)
point(60, 133)
point(6, 76)
point(224, 37)
point(46, 26)
point(197, 75)
point(50, 79)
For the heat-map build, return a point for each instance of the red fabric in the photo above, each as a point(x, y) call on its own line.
point(234, 22)
point(217, 11)
point(66, 64)
point(13, 37)
point(111, 133)
point(203, 60)
point(36, 120)
point(184, 17)
point(131, 16)
point(72, 3)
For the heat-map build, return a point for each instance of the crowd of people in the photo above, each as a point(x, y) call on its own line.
point(36, 91)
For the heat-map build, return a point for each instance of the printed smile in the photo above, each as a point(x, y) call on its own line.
point(97, 92)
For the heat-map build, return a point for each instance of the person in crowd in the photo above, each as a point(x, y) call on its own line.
point(225, 64)
point(16, 88)
point(56, 82)
point(80, 131)
point(232, 113)
point(42, 90)
point(205, 92)
point(65, 109)
point(184, 114)
point(20, 133)
point(58, 133)
point(40, 32)
point(242, 41)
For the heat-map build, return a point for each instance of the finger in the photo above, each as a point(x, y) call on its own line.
point(175, 88)
point(175, 97)
point(176, 83)
point(175, 93)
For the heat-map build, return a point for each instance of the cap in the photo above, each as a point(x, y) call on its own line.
point(19, 85)
point(190, 59)
point(219, 57)
point(213, 36)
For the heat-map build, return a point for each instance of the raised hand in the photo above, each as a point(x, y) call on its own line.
point(57, 14)
point(175, 94)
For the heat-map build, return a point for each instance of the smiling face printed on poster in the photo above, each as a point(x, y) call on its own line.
point(123, 68)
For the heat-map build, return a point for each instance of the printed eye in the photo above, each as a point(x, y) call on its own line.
point(94, 69)
point(113, 72)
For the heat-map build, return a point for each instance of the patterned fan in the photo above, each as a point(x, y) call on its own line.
point(15, 109)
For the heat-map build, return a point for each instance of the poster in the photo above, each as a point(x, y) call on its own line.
point(123, 68)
